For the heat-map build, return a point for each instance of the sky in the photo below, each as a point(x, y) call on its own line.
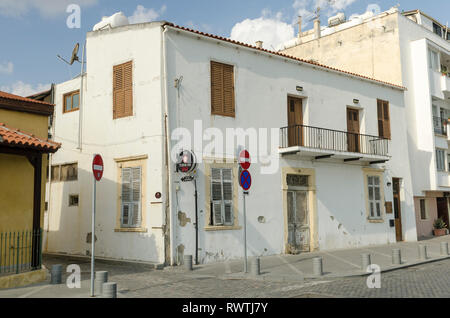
point(34, 32)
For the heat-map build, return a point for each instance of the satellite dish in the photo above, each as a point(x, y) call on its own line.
point(74, 54)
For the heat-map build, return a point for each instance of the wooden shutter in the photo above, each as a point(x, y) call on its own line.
point(126, 196)
point(216, 196)
point(222, 89)
point(123, 90)
point(384, 122)
point(131, 196)
point(227, 186)
point(136, 196)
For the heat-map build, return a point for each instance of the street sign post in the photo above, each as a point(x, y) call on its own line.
point(97, 170)
point(245, 181)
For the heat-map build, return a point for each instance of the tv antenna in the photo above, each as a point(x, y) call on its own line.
point(74, 56)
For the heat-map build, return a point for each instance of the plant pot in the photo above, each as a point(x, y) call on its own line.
point(439, 232)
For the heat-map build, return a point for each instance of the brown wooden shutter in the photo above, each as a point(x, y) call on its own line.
point(123, 90)
point(384, 124)
point(222, 89)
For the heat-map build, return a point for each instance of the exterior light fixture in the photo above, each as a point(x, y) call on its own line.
point(356, 101)
point(299, 88)
point(389, 184)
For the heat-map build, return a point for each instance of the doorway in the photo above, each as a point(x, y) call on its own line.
point(295, 122)
point(442, 209)
point(397, 209)
point(298, 223)
point(353, 130)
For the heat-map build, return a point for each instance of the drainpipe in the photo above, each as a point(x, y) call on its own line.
point(168, 159)
point(80, 112)
point(50, 158)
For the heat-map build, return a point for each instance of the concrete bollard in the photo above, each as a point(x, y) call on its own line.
point(100, 278)
point(318, 266)
point(187, 262)
point(56, 274)
point(396, 256)
point(365, 258)
point(255, 268)
point(109, 290)
point(444, 248)
point(423, 252)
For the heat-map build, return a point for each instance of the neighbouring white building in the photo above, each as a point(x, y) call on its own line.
point(412, 49)
point(326, 167)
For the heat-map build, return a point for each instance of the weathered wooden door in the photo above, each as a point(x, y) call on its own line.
point(353, 130)
point(397, 209)
point(295, 120)
point(298, 221)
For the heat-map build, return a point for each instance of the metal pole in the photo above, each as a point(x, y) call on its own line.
point(196, 223)
point(245, 236)
point(93, 240)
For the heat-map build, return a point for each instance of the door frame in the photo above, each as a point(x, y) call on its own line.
point(399, 219)
point(290, 130)
point(312, 206)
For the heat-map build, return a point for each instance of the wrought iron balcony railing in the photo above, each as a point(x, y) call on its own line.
point(440, 125)
point(332, 140)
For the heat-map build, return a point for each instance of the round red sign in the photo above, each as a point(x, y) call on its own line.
point(97, 167)
point(244, 159)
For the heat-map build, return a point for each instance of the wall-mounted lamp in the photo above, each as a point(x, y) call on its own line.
point(356, 101)
point(388, 183)
point(299, 88)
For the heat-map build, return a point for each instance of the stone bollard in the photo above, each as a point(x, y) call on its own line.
point(100, 278)
point(187, 262)
point(423, 252)
point(396, 256)
point(444, 248)
point(255, 268)
point(56, 274)
point(318, 266)
point(365, 258)
point(109, 290)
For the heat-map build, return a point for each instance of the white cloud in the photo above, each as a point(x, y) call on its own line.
point(142, 14)
point(271, 30)
point(24, 89)
point(6, 68)
point(47, 8)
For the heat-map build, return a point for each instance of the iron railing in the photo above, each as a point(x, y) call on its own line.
point(440, 125)
point(20, 251)
point(333, 140)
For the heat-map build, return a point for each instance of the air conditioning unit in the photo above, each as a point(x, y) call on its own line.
point(336, 20)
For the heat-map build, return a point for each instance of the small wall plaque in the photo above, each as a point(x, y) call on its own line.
point(388, 206)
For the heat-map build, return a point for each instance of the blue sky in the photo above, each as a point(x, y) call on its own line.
point(33, 32)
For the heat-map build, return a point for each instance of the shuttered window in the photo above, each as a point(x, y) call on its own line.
point(373, 183)
point(222, 196)
point(222, 89)
point(131, 197)
point(384, 124)
point(123, 90)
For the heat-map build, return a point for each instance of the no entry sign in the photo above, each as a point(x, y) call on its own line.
point(245, 180)
point(97, 167)
point(244, 159)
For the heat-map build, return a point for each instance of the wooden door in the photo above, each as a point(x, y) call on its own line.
point(298, 221)
point(442, 210)
point(295, 122)
point(397, 209)
point(353, 130)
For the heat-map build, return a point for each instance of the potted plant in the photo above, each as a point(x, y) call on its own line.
point(439, 227)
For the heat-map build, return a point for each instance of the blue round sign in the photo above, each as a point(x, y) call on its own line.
point(245, 180)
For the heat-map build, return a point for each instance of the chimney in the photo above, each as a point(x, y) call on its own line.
point(299, 26)
point(259, 44)
point(317, 28)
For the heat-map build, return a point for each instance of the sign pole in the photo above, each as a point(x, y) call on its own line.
point(93, 239)
point(245, 235)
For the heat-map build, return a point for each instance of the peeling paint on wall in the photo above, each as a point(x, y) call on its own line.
point(183, 219)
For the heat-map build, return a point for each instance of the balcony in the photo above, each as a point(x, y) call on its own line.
point(440, 125)
point(322, 143)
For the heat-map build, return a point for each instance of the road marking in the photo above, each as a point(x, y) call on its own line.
point(33, 292)
point(342, 260)
point(290, 265)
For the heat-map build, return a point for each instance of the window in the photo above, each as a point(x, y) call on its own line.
point(221, 196)
point(423, 212)
point(65, 172)
point(131, 197)
point(437, 29)
point(222, 89)
point(73, 200)
point(123, 90)
point(440, 159)
point(448, 162)
point(384, 125)
point(71, 101)
point(55, 173)
point(433, 60)
point(373, 186)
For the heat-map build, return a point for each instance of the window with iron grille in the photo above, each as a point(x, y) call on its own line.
point(374, 192)
point(221, 197)
point(131, 197)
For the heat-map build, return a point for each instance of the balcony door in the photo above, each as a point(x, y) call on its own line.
point(353, 130)
point(295, 122)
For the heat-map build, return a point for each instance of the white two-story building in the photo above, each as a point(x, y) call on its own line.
point(329, 151)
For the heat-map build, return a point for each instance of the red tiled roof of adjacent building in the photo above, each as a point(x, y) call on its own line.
point(16, 138)
point(24, 104)
point(283, 55)
point(20, 98)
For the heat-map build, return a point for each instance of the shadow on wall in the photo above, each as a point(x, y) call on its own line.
point(69, 229)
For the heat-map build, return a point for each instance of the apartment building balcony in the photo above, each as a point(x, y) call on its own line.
point(440, 125)
point(322, 143)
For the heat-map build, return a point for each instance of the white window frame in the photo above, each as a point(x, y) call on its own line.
point(372, 203)
point(433, 57)
point(130, 202)
point(440, 159)
point(222, 202)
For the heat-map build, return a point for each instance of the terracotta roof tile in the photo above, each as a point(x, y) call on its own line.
point(20, 98)
point(14, 137)
point(283, 55)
